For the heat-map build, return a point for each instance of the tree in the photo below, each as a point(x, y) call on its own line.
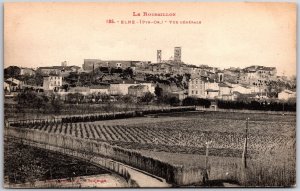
point(189, 101)
point(12, 71)
point(127, 99)
point(66, 87)
point(174, 101)
point(56, 103)
point(147, 98)
point(32, 99)
point(128, 72)
point(104, 98)
point(158, 91)
point(75, 97)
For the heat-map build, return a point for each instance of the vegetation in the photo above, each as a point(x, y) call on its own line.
point(40, 101)
point(271, 149)
point(147, 98)
point(258, 105)
point(23, 163)
point(196, 101)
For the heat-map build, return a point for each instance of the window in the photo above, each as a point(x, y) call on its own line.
point(192, 92)
point(196, 92)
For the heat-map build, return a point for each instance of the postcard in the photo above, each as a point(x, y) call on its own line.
point(149, 94)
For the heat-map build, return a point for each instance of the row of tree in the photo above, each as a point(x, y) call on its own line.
point(264, 105)
point(42, 101)
point(258, 105)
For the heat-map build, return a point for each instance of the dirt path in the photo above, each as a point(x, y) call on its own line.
point(146, 180)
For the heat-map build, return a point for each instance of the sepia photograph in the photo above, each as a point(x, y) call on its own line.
point(149, 94)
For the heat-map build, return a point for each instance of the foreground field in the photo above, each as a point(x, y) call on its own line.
point(24, 164)
point(180, 139)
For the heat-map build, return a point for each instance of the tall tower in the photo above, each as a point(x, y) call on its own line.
point(158, 56)
point(177, 54)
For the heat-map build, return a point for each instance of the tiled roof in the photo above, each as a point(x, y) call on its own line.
point(137, 87)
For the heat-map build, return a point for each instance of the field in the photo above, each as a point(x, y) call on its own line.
point(38, 164)
point(180, 139)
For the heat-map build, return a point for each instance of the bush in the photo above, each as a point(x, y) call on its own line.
point(190, 101)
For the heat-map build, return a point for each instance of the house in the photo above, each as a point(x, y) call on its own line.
point(120, 88)
point(211, 93)
point(162, 68)
point(52, 82)
point(141, 65)
point(241, 88)
point(6, 87)
point(225, 91)
point(202, 86)
point(138, 90)
point(27, 71)
point(286, 95)
point(257, 75)
point(81, 90)
point(196, 87)
point(232, 75)
point(14, 84)
point(58, 70)
point(238, 95)
point(181, 94)
point(99, 89)
point(151, 86)
point(225, 88)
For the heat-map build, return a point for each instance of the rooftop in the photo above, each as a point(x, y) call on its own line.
point(137, 87)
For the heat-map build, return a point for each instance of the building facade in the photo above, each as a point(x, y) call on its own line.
point(138, 90)
point(201, 87)
point(99, 89)
point(52, 82)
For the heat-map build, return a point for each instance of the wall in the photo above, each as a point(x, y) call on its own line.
point(177, 175)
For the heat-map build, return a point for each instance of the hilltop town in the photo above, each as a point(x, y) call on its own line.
point(170, 81)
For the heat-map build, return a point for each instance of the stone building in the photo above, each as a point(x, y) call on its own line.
point(202, 87)
point(138, 90)
point(52, 82)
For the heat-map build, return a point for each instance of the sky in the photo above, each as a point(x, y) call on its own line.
point(230, 34)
